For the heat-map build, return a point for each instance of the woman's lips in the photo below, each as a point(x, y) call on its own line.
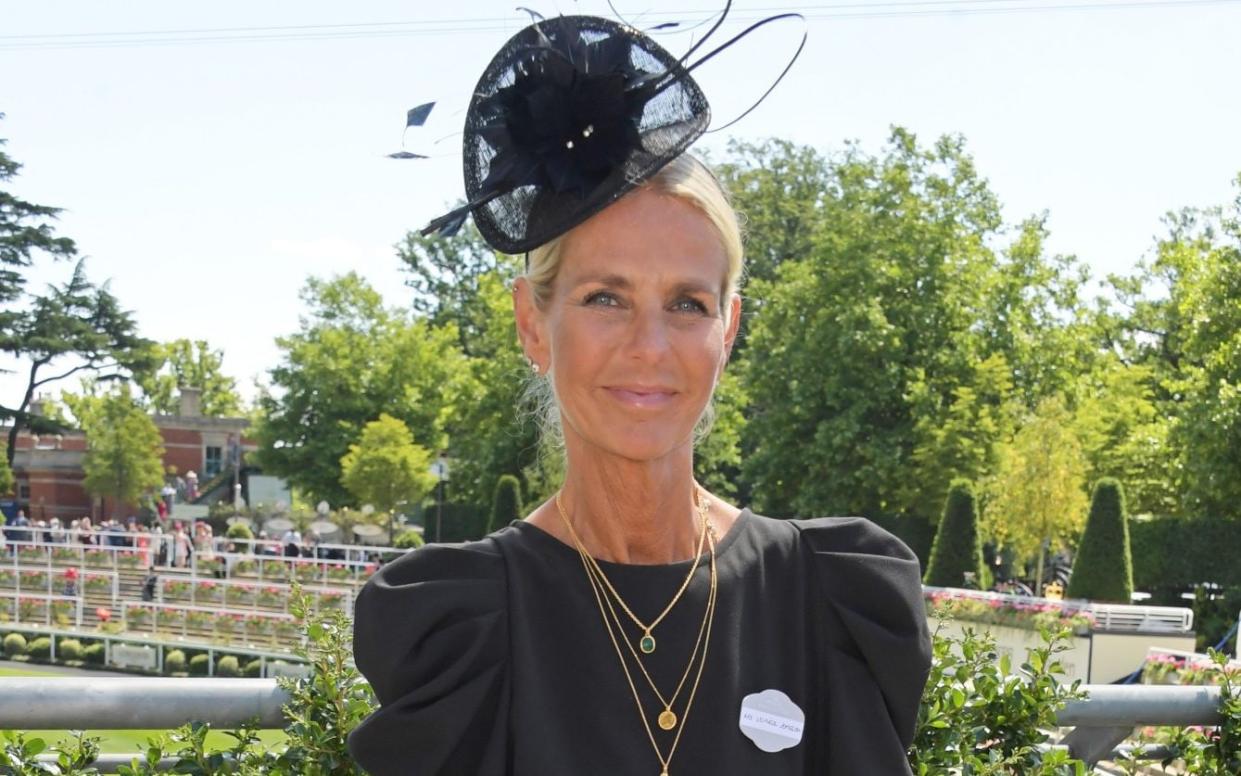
point(641, 399)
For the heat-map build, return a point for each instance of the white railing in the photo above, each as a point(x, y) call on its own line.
point(11, 603)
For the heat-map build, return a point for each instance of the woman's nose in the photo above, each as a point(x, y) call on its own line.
point(648, 338)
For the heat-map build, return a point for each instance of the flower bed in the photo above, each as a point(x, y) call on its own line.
point(207, 591)
point(7, 578)
point(169, 619)
point(137, 616)
point(128, 559)
point(62, 612)
point(201, 621)
point(239, 594)
point(270, 596)
point(1163, 668)
point(175, 588)
point(34, 581)
point(1035, 614)
point(97, 583)
point(329, 599)
point(31, 554)
point(29, 609)
point(64, 554)
point(97, 558)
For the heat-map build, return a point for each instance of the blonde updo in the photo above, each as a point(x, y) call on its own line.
point(686, 178)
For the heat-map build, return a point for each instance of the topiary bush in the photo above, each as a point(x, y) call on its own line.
point(409, 539)
point(506, 503)
point(239, 531)
point(253, 669)
point(40, 648)
point(228, 666)
point(1103, 568)
point(198, 665)
point(174, 662)
point(957, 550)
point(94, 654)
point(69, 649)
point(14, 645)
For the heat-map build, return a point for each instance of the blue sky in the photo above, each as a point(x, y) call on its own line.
point(207, 178)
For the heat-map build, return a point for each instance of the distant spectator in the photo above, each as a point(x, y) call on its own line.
point(179, 547)
point(292, 541)
point(148, 584)
point(71, 582)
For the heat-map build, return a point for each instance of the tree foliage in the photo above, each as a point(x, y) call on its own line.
point(385, 467)
point(956, 554)
point(125, 452)
point(194, 364)
point(890, 334)
point(1037, 497)
point(79, 327)
point(352, 360)
point(1103, 567)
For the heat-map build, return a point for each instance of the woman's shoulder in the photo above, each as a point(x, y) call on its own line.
point(852, 535)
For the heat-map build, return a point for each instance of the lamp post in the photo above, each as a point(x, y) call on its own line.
point(440, 470)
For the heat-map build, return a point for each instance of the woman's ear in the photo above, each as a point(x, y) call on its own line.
point(531, 327)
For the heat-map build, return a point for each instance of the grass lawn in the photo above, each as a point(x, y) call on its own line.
point(128, 741)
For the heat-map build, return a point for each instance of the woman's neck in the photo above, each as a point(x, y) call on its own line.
point(639, 512)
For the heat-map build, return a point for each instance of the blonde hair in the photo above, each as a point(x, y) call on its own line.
point(685, 178)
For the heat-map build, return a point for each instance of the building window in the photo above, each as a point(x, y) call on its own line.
point(213, 463)
point(23, 492)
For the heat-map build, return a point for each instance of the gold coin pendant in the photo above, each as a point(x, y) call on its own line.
point(667, 719)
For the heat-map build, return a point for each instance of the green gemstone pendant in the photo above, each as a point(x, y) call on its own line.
point(647, 644)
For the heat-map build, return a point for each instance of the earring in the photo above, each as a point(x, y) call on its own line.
point(534, 365)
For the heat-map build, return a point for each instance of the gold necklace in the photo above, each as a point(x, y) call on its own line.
point(710, 619)
point(667, 718)
point(647, 641)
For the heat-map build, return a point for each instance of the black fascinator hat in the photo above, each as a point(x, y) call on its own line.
point(571, 114)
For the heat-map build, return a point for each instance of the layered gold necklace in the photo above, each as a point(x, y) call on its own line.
point(605, 593)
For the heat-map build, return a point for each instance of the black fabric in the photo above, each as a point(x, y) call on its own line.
point(491, 658)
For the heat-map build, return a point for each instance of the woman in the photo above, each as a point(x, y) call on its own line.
point(636, 623)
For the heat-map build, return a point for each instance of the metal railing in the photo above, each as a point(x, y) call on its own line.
point(1100, 722)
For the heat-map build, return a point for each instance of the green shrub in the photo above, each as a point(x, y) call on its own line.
point(94, 654)
point(409, 539)
point(253, 669)
point(198, 665)
point(957, 550)
point(14, 645)
point(227, 666)
point(69, 649)
point(40, 648)
point(174, 662)
point(239, 531)
point(506, 503)
point(1103, 568)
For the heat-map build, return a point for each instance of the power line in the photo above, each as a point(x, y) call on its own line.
point(353, 31)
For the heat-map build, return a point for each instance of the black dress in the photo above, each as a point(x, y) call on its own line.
point(491, 657)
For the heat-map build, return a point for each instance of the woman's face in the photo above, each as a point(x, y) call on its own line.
point(634, 332)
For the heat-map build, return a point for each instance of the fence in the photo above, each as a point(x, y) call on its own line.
point(1100, 722)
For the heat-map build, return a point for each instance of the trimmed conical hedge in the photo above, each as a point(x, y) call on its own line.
point(506, 504)
point(957, 549)
point(1103, 568)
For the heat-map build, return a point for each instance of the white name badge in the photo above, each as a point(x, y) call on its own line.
point(771, 720)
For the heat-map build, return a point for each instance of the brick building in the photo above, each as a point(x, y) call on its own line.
point(48, 469)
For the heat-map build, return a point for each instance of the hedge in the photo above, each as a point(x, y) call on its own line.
point(14, 645)
point(253, 669)
point(1103, 567)
point(228, 666)
point(505, 503)
point(956, 554)
point(69, 649)
point(174, 662)
point(40, 648)
point(1178, 553)
point(198, 665)
point(94, 654)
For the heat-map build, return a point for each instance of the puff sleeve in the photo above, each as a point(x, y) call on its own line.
point(431, 636)
point(865, 595)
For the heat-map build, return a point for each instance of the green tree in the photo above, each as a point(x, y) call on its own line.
point(7, 482)
point(1179, 317)
point(25, 230)
point(77, 323)
point(956, 554)
point(352, 360)
point(1037, 496)
point(506, 505)
point(191, 363)
point(124, 455)
point(385, 468)
point(1103, 568)
point(891, 336)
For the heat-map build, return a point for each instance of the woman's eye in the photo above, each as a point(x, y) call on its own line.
point(690, 305)
point(601, 297)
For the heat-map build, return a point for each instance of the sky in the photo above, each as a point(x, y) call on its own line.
point(210, 157)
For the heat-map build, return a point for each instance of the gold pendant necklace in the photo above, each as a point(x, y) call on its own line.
point(646, 641)
point(600, 587)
